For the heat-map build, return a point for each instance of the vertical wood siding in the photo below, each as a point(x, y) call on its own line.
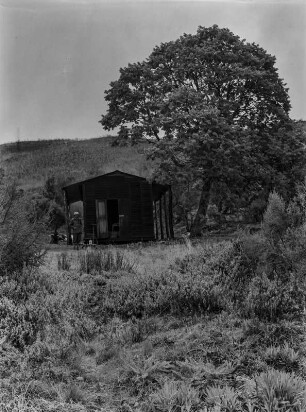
point(135, 203)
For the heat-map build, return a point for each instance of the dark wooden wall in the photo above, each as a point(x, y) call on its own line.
point(135, 203)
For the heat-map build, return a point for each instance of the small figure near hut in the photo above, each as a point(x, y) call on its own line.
point(76, 229)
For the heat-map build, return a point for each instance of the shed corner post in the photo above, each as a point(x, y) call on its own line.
point(66, 206)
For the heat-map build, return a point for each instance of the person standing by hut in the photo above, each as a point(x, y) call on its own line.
point(76, 229)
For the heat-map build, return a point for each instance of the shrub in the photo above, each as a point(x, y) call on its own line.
point(296, 209)
point(22, 306)
point(240, 265)
point(255, 211)
point(136, 295)
point(270, 299)
point(52, 308)
point(19, 237)
point(275, 220)
point(15, 324)
point(263, 274)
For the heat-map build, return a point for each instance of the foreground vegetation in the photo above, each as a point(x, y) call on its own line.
point(208, 326)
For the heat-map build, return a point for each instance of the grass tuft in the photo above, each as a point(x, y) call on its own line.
point(97, 261)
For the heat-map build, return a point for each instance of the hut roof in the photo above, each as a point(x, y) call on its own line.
point(74, 192)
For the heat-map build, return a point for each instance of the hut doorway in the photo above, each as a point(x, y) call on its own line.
point(107, 218)
point(102, 226)
point(113, 217)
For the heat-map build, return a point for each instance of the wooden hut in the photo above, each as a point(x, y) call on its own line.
point(120, 207)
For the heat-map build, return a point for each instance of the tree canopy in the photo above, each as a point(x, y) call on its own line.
point(213, 104)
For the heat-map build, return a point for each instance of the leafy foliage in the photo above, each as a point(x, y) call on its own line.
point(221, 71)
point(275, 218)
point(216, 110)
point(19, 235)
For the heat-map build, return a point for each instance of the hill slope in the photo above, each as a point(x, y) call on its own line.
point(32, 162)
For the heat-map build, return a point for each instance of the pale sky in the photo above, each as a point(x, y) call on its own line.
point(57, 57)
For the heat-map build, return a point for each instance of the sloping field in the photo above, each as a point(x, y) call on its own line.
point(32, 162)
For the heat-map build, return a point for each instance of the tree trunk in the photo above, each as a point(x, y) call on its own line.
point(200, 218)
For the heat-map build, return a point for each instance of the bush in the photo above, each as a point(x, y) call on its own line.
point(275, 220)
point(52, 308)
point(22, 305)
point(15, 324)
point(136, 295)
point(19, 236)
point(270, 299)
point(255, 211)
point(263, 274)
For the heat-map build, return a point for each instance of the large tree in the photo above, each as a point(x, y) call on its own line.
point(211, 104)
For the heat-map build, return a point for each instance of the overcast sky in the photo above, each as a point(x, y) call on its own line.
point(57, 57)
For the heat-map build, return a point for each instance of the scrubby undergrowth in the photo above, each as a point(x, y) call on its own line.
point(219, 328)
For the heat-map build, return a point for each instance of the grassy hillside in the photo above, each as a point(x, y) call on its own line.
point(32, 162)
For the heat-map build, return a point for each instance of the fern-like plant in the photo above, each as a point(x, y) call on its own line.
point(224, 397)
point(280, 391)
point(174, 396)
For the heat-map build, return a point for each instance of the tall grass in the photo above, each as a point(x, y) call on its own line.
point(97, 261)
